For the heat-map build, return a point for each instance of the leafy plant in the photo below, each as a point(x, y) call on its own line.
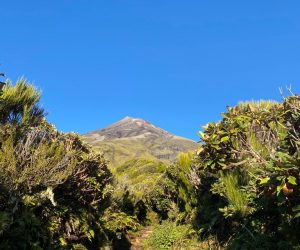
point(248, 169)
point(53, 187)
point(168, 235)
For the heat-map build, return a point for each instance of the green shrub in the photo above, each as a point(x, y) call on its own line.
point(167, 235)
point(19, 104)
point(53, 188)
point(135, 180)
point(175, 187)
point(246, 175)
point(238, 202)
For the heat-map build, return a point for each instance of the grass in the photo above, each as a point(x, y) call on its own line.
point(237, 198)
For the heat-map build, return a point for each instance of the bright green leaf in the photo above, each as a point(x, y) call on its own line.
point(292, 180)
point(201, 134)
point(264, 180)
point(225, 138)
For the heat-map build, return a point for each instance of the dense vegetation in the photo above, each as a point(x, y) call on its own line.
point(53, 188)
point(240, 190)
point(248, 176)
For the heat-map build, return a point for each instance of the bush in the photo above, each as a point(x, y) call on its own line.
point(175, 188)
point(168, 235)
point(53, 188)
point(247, 176)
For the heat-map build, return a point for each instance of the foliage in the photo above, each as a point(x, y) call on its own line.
point(229, 187)
point(18, 104)
point(53, 188)
point(119, 221)
point(168, 235)
point(248, 176)
point(240, 190)
point(135, 180)
point(173, 191)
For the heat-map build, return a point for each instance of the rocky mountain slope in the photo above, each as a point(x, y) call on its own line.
point(132, 137)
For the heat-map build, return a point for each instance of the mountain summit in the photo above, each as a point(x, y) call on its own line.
point(129, 127)
point(134, 137)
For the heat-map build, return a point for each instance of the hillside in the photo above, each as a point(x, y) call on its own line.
point(131, 137)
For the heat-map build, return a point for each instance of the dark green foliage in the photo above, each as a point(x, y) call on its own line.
point(248, 176)
point(53, 188)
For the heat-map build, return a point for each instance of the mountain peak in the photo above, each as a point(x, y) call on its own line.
point(134, 137)
point(129, 127)
point(137, 121)
point(127, 118)
point(130, 119)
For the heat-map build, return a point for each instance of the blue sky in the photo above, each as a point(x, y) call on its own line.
point(174, 63)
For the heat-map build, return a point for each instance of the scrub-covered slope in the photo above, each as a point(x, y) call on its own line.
point(130, 138)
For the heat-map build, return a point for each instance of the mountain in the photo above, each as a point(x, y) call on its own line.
point(132, 137)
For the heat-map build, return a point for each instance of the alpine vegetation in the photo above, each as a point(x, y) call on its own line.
point(236, 189)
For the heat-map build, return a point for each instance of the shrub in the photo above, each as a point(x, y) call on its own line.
point(53, 188)
point(247, 172)
point(167, 235)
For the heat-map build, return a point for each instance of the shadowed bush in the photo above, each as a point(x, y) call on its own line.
point(246, 174)
point(53, 188)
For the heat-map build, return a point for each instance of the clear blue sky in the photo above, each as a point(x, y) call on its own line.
point(174, 63)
